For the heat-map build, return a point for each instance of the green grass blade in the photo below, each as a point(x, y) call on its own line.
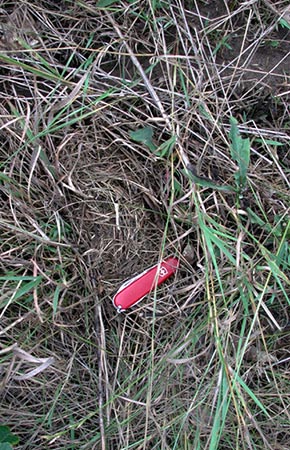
point(249, 391)
point(56, 298)
point(240, 152)
point(27, 287)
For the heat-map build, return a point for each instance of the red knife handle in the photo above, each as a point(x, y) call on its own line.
point(133, 290)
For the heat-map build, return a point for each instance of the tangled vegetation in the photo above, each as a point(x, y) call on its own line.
point(131, 131)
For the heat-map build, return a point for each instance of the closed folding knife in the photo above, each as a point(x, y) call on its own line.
point(134, 290)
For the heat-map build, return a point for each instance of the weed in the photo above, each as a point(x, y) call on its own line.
point(7, 439)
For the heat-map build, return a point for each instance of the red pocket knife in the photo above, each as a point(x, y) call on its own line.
point(133, 290)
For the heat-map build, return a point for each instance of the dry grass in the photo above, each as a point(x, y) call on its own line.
point(204, 362)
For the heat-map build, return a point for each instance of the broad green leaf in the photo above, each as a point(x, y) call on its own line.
point(6, 436)
point(240, 151)
point(284, 23)
point(144, 136)
point(105, 3)
point(5, 446)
